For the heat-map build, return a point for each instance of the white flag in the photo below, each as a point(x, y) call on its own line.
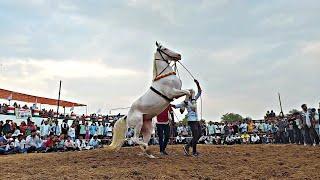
point(99, 111)
point(72, 108)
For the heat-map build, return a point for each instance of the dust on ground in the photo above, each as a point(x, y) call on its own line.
point(214, 162)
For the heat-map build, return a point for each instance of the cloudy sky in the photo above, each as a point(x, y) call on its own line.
point(242, 52)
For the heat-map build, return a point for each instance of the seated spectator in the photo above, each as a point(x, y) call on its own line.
point(180, 139)
point(33, 142)
point(19, 144)
point(6, 144)
point(255, 139)
point(69, 144)
point(6, 128)
point(50, 144)
point(81, 144)
point(61, 143)
point(245, 138)
point(217, 140)
point(229, 140)
point(95, 142)
point(237, 138)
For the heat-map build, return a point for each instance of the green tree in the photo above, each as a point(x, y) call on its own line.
point(231, 117)
point(292, 111)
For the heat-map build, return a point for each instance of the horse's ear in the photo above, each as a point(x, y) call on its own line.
point(157, 44)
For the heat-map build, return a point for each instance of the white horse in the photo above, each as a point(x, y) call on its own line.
point(165, 87)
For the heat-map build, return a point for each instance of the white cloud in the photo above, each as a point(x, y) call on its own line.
point(312, 49)
point(66, 68)
point(231, 55)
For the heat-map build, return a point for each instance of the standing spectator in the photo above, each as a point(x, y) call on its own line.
point(218, 130)
point(45, 129)
point(282, 124)
point(250, 127)
point(87, 137)
point(100, 130)
point(93, 129)
point(211, 129)
point(297, 127)
point(163, 128)
point(1, 127)
point(77, 128)
point(243, 127)
point(82, 129)
point(309, 123)
point(56, 129)
point(290, 131)
point(317, 121)
point(72, 132)
point(173, 131)
point(64, 127)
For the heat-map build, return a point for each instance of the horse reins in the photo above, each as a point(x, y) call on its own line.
point(176, 70)
point(162, 59)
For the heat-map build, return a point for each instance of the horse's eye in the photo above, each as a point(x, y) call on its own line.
point(165, 49)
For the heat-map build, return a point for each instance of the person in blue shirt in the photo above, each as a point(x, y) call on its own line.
point(190, 103)
point(93, 129)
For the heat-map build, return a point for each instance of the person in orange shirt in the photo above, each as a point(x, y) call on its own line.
point(250, 127)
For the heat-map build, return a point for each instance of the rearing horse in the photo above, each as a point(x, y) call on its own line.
point(165, 87)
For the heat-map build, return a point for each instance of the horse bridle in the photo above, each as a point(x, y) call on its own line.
point(163, 59)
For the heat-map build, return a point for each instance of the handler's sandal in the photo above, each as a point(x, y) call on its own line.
point(195, 154)
point(186, 150)
point(163, 153)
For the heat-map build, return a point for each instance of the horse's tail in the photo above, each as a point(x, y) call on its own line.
point(119, 133)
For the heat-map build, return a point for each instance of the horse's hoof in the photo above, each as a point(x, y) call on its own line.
point(151, 156)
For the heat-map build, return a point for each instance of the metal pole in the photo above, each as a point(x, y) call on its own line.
point(58, 100)
point(280, 103)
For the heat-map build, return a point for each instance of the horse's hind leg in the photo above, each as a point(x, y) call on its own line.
point(137, 123)
point(146, 133)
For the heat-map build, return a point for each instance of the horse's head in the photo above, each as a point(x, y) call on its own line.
point(167, 54)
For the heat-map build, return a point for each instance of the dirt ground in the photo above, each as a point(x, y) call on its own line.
point(215, 162)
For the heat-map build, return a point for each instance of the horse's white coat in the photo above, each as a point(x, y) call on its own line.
point(150, 104)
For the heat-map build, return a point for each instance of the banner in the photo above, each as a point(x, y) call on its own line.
point(23, 113)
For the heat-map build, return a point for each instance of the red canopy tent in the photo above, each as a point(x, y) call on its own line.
point(5, 94)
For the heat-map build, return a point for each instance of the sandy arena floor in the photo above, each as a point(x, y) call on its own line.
point(215, 162)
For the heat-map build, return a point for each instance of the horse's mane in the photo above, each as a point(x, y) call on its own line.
point(154, 67)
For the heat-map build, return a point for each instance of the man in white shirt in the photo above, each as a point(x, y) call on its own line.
point(45, 130)
point(33, 142)
point(255, 139)
point(20, 143)
point(308, 118)
point(243, 127)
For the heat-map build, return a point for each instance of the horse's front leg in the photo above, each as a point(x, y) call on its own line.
point(177, 93)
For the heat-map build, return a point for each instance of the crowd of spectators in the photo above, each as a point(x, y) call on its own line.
point(51, 113)
point(300, 127)
point(295, 128)
point(51, 136)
